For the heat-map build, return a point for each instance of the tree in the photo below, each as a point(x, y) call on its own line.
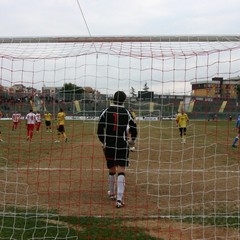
point(132, 92)
point(145, 88)
point(238, 91)
point(70, 92)
point(71, 88)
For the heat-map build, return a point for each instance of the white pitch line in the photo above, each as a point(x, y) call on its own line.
point(129, 169)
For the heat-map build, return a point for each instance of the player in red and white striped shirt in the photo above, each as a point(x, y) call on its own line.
point(38, 121)
point(16, 118)
point(30, 122)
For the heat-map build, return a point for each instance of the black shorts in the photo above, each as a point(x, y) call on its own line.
point(61, 129)
point(48, 123)
point(116, 157)
point(182, 131)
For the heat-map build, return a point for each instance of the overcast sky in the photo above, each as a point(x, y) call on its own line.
point(32, 18)
point(115, 17)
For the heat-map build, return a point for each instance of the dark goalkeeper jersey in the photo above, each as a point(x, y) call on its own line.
point(115, 123)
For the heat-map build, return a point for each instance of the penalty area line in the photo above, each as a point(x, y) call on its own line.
point(50, 169)
point(138, 171)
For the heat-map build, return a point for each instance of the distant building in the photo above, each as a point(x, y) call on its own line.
point(217, 88)
point(56, 92)
point(146, 95)
point(19, 91)
point(4, 89)
point(50, 91)
point(19, 88)
point(32, 91)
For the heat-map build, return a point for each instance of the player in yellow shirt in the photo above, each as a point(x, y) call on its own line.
point(60, 125)
point(182, 121)
point(133, 114)
point(48, 121)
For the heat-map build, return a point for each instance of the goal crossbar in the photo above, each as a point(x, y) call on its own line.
point(164, 38)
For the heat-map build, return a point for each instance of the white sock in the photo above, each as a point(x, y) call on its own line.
point(120, 186)
point(111, 183)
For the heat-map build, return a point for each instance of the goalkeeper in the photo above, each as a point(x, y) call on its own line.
point(115, 123)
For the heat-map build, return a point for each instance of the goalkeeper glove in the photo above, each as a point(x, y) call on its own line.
point(131, 143)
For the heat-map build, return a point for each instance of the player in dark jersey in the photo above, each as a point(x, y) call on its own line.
point(238, 132)
point(114, 127)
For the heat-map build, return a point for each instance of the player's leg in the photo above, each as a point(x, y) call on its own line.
point(64, 135)
point(61, 133)
point(120, 186)
point(14, 126)
point(46, 125)
point(181, 134)
point(58, 135)
point(1, 140)
point(184, 135)
point(235, 140)
point(109, 155)
point(28, 132)
point(31, 131)
point(112, 183)
point(122, 162)
point(37, 127)
point(50, 126)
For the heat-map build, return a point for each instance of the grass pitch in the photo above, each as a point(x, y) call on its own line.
point(172, 189)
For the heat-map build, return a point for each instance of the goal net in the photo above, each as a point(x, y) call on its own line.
point(177, 186)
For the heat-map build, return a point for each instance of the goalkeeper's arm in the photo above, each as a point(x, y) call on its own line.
point(100, 132)
point(133, 130)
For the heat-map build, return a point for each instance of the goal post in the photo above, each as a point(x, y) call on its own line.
point(56, 190)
